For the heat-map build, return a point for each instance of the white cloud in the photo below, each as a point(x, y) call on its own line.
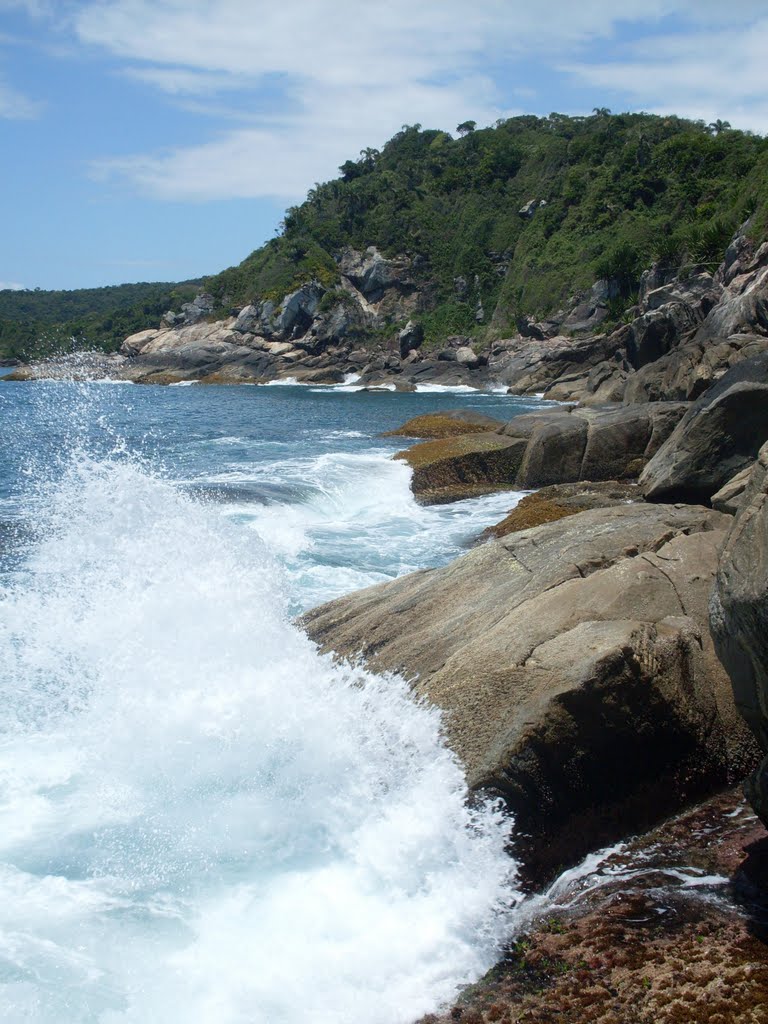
point(12, 286)
point(691, 76)
point(320, 79)
point(282, 159)
point(15, 106)
point(183, 81)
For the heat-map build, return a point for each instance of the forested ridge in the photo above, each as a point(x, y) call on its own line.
point(611, 194)
point(504, 221)
point(38, 322)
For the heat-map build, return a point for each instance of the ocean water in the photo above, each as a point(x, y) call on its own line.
point(201, 818)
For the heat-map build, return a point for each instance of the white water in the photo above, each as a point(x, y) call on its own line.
point(201, 819)
point(358, 524)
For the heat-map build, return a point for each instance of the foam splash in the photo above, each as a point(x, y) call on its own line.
point(355, 522)
point(202, 819)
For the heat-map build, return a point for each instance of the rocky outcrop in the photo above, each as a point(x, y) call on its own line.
point(596, 368)
point(685, 373)
point(289, 320)
point(573, 665)
point(551, 446)
point(315, 334)
point(739, 617)
point(719, 436)
point(685, 333)
point(529, 365)
point(193, 312)
point(380, 279)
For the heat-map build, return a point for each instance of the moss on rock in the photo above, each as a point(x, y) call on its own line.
point(444, 469)
point(437, 425)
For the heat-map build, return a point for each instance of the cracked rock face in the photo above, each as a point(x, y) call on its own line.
point(575, 668)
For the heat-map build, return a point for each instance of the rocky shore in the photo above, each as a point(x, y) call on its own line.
point(682, 334)
point(601, 658)
point(668, 928)
point(601, 663)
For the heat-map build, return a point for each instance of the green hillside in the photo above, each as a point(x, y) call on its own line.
point(612, 194)
point(42, 322)
point(620, 191)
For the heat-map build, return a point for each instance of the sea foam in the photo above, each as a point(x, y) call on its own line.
point(202, 819)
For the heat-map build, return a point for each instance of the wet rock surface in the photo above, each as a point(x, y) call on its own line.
point(670, 928)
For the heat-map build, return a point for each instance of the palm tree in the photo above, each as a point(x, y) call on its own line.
point(601, 111)
point(719, 126)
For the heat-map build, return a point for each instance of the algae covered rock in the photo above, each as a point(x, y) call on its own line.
point(450, 423)
point(560, 500)
point(464, 466)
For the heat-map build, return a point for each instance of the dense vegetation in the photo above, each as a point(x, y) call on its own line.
point(43, 322)
point(618, 191)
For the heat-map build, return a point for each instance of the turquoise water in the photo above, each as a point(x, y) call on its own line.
point(202, 819)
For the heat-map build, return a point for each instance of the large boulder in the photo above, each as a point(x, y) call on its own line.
point(718, 437)
point(592, 444)
point(739, 617)
point(661, 329)
point(551, 446)
point(573, 665)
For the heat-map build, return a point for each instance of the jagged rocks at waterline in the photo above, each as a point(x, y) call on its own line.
point(574, 664)
point(551, 446)
point(739, 617)
point(667, 929)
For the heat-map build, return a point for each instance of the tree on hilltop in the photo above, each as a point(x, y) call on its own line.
point(715, 127)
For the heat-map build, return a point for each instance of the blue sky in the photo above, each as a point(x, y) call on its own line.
point(163, 140)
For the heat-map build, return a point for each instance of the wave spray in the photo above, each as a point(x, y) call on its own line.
point(202, 819)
